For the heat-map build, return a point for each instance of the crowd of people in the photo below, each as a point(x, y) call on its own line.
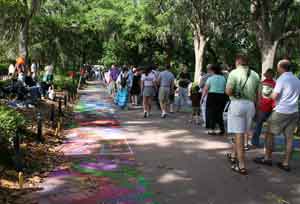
point(26, 84)
point(250, 103)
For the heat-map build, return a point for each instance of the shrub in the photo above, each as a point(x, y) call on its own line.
point(10, 121)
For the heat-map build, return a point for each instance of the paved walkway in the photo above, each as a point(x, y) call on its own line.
point(102, 168)
point(186, 166)
point(109, 151)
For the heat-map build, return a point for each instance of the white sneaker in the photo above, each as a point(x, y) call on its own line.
point(218, 131)
point(163, 115)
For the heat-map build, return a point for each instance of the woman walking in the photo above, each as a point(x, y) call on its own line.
point(136, 88)
point(148, 86)
point(216, 100)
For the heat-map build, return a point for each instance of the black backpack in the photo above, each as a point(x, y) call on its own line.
point(124, 81)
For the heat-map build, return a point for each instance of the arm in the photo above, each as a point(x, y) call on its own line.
point(230, 85)
point(204, 92)
point(229, 91)
point(277, 91)
point(142, 85)
point(172, 86)
point(275, 96)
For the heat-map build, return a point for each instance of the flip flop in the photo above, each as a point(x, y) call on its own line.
point(283, 167)
point(236, 168)
point(263, 161)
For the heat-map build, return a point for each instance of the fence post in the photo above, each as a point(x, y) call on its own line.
point(65, 100)
point(39, 128)
point(17, 141)
point(59, 126)
point(60, 108)
point(52, 115)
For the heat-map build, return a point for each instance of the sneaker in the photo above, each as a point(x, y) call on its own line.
point(163, 115)
point(218, 131)
point(208, 131)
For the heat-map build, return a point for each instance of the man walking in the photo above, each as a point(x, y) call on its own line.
point(166, 87)
point(242, 87)
point(285, 117)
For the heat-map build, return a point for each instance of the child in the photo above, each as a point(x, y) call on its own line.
point(195, 96)
point(266, 105)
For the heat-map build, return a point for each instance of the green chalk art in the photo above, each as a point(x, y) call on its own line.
point(111, 178)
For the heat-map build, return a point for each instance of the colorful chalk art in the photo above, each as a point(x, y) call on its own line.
point(102, 168)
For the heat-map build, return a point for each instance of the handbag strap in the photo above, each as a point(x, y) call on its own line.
point(248, 75)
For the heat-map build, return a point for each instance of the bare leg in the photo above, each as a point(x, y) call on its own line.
point(269, 146)
point(289, 150)
point(246, 136)
point(233, 153)
point(145, 103)
point(240, 150)
point(163, 107)
point(135, 100)
point(171, 107)
point(149, 104)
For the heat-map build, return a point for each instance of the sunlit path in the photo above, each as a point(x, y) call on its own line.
point(102, 168)
point(184, 165)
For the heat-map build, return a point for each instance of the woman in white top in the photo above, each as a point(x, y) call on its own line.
point(148, 87)
point(11, 70)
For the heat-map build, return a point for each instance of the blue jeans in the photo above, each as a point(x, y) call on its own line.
point(183, 97)
point(260, 119)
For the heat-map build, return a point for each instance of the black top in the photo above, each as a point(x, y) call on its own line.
point(184, 79)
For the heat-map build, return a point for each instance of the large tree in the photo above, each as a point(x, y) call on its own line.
point(15, 20)
point(273, 21)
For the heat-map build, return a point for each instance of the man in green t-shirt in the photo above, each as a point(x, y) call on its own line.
point(242, 87)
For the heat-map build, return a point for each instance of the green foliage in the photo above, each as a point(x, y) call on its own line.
point(74, 32)
point(10, 121)
point(3, 67)
point(63, 82)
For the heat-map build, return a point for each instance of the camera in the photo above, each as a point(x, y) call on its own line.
point(238, 95)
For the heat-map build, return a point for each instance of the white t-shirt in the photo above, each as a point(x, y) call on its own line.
point(288, 88)
point(33, 68)
point(149, 80)
point(49, 69)
point(11, 69)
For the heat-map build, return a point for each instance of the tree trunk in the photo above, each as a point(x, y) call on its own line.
point(268, 53)
point(23, 38)
point(200, 42)
point(61, 53)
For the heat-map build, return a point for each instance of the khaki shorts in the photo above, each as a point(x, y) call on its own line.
point(283, 123)
point(164, 95)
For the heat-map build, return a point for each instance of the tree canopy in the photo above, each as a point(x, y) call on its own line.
point(69, 33)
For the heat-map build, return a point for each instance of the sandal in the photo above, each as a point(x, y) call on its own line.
point(230, 158)
point(284, 167)
point(236, 168)
point(263, 161)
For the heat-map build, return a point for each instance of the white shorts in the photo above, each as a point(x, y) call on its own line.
point(240, 116)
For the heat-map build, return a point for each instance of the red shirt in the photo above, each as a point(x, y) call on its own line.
point(266, 103)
